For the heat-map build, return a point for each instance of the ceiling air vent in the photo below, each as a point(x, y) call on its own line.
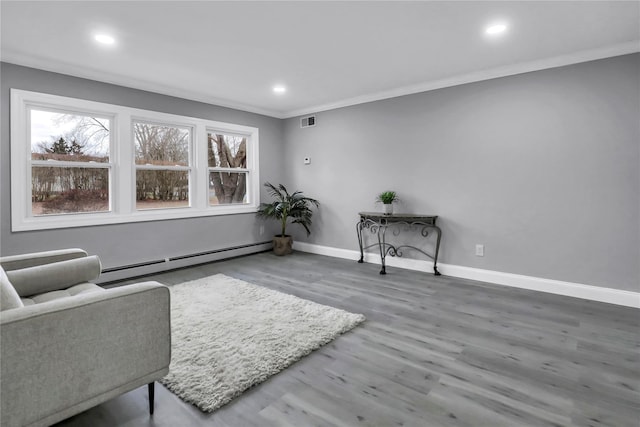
point(308, 121)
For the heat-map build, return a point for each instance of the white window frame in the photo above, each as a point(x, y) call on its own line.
point(122, 164)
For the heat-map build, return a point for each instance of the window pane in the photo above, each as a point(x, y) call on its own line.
point(57, 190)
point(226, 151)
point(227, 188)
point(161, 189)
point(69, 137)
point(161, 145)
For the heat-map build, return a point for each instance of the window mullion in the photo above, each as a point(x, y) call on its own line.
point(124, 180)
point(200, 174)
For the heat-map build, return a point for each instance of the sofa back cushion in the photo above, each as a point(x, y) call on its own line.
point(16, 262)
point(57, 275)
point(9, 298)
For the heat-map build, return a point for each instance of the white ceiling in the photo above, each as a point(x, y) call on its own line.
point(328, 54)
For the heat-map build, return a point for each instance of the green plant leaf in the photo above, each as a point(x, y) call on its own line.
point(387, 197)
point(288, 206)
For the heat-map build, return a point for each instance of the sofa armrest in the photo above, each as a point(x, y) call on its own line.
point(57, 354)
point(15, 262)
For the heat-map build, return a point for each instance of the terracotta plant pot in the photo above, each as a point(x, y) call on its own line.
point(282, 245)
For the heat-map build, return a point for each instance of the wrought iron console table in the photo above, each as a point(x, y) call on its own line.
point(378, 222)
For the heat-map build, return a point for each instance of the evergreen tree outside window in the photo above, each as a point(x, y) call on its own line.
point(70, 166)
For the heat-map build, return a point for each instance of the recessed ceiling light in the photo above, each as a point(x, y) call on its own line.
point(104, 39)
point(279, 89)
point(496, 29)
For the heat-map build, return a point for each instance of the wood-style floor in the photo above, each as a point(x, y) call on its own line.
point(434, 351)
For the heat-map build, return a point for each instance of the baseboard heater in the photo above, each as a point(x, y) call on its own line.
point(180, 257)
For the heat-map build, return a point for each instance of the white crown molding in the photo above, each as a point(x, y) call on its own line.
point(576, 290)
point(492, 73)
point(30, 61)
point(26, 60)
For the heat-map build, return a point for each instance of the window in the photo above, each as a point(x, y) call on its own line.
point(163, 165)
point(76, 163)
point(228, 173)
point(70, 165)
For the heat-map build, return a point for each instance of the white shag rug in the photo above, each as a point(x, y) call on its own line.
point(228, 335)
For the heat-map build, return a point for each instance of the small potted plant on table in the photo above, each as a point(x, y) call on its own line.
point(294, 206)
point(387, 198)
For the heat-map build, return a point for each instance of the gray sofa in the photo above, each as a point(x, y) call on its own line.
point(67, 344)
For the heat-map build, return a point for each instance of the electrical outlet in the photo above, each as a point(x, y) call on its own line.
point(261, 230)
point(307, 160)
point(479, 250)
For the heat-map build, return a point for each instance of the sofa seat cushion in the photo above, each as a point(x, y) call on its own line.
point(81, 288)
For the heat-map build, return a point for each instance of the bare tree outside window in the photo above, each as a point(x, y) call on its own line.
point(161, 145)
point(162, 159)
point(227, 168)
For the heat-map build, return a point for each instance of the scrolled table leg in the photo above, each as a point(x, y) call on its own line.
point(359, 226)
point(382, 243)
point(435, 258)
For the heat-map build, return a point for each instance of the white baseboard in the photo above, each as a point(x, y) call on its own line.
point(558, 287)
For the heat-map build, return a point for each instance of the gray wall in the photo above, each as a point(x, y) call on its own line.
point(125, 244)
point(542, 168)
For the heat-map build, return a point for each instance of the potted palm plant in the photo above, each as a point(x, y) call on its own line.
point(387, 198)
point(294, 206)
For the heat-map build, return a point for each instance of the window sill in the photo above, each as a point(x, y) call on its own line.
point(87, 220)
